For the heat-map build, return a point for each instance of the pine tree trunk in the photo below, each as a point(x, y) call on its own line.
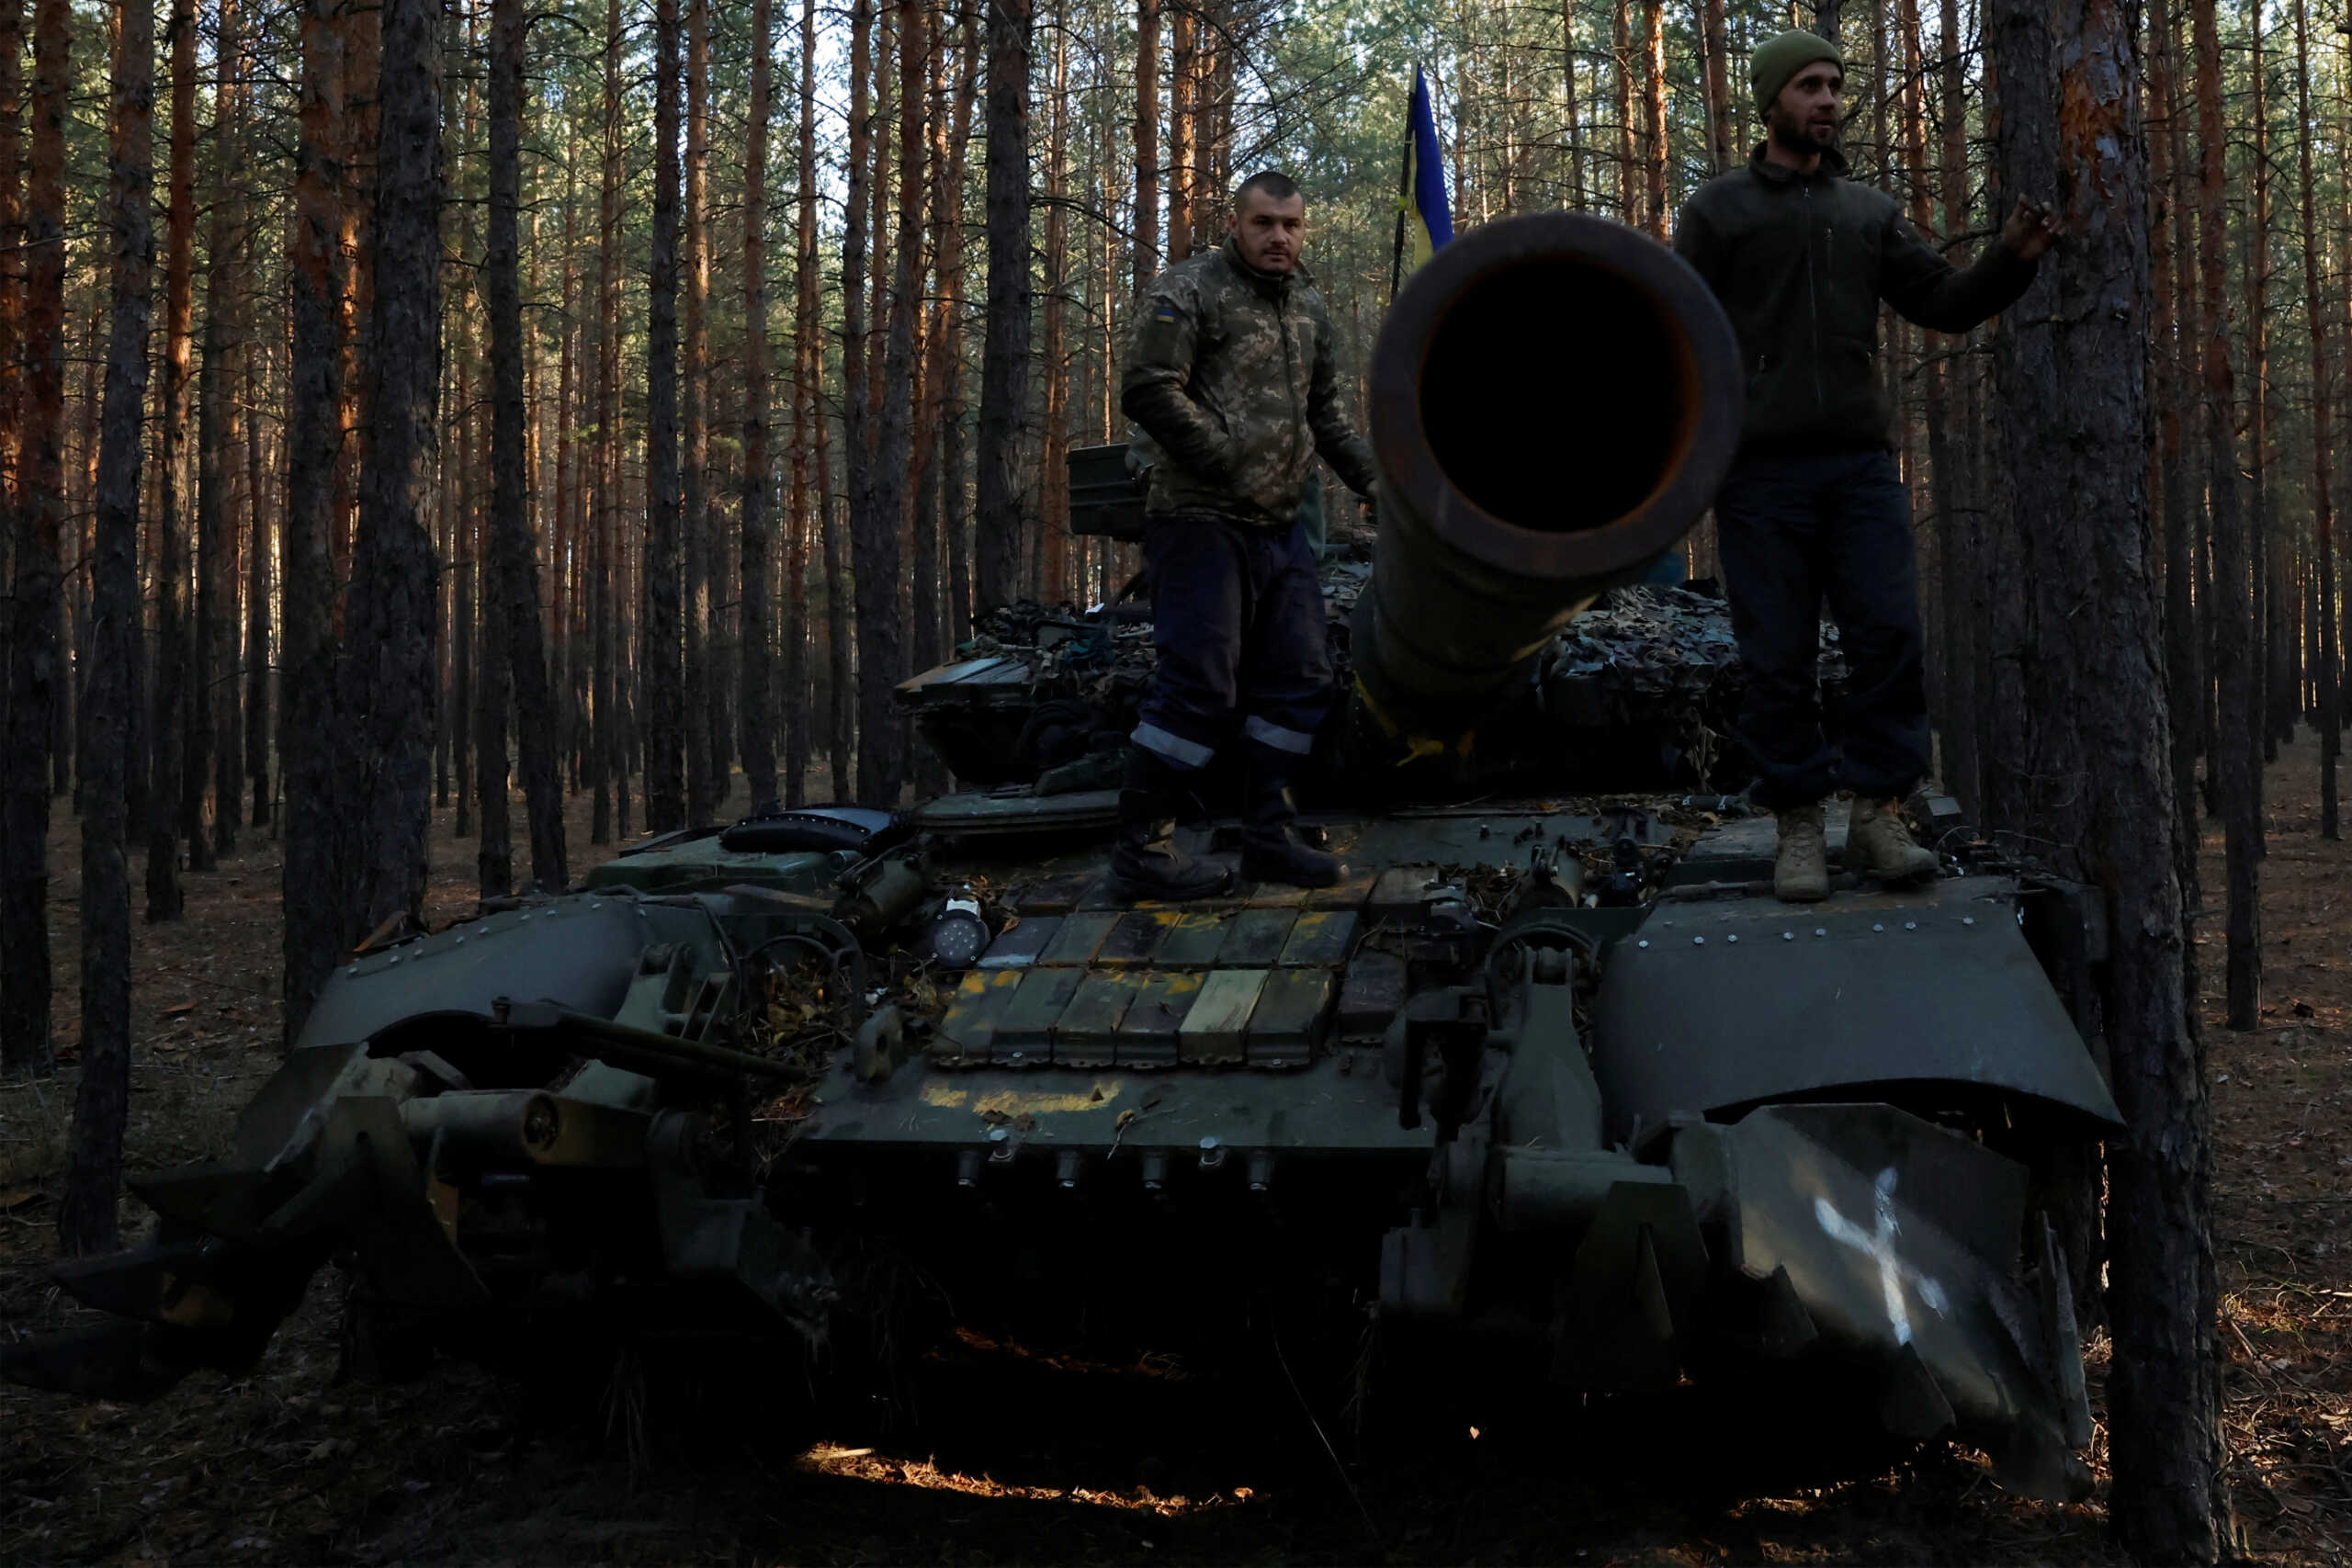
point(175, 775)
point(35, 662)
point(1572, 136)
point(706, 786)
point(757, 703)
point(1146, 203)
point(215, 688)
point(1947, 456)
point(953, 516)
point(1654, 122)
point(881, 654)
point(810, 513)
point(1004, 354)
point(660, 645)
point(2257, 273)
point(604, 743)
point(2170, 246)
point(938, 341)
point(2073, 410)
point(309, 741)
point(1621, 78)
point(258, 554)
point(386, 670)
point(1183, 70)
point(513, 561)
point(86, 1219)
point(2233, 757)
point(1053, 475)
point(857, 441)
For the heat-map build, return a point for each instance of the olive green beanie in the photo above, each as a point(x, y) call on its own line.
point(1779, 58)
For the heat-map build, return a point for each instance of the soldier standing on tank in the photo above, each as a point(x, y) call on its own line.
point(1814, 505)
point(1230, 384)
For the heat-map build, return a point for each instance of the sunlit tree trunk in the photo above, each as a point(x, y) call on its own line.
point(1146, 208)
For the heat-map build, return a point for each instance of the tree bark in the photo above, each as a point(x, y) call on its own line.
point(386, 670)
point(35, 658)
point(85, 1217)
point(1955, 530)
point(2257, 284)
point(857, 442)
point(604, 742)
point(1182, 71)
point(953, 516)
point(2233, 756)
point(2074, 431)
point(1053, 457)
point(513, 559)
point(1146, 203)
point(1621, 79)
point(315, 830)
point(757, 703)
point(220, 427)
point(173, 784)
point(258, 554)
point(881, 650)
point(2170, 248)
point(1004, 352)
point(706, 784)
point(809, 513)
point(660, 646)
point(1654, 122)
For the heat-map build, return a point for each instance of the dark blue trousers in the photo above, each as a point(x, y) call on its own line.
point(1237, 616)
point(1795, 529)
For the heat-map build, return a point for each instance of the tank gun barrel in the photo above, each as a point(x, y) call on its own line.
point(1554, 399)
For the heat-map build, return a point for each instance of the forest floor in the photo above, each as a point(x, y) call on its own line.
point(1020, 1461)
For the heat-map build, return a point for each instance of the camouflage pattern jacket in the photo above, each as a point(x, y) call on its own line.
point(1231, 384)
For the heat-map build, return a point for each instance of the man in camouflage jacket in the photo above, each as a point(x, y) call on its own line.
point(1230, 384)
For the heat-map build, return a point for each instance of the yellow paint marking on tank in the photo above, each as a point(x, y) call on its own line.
point(1019, 1102)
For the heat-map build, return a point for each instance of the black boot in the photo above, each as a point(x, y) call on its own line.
point(1271, 848)
point(1146, 863)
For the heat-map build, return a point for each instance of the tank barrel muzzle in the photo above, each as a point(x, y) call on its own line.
point(1554, 399)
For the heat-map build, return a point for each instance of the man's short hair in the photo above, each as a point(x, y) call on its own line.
point(1277, 185)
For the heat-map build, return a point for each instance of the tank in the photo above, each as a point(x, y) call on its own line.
point(1547, 1092)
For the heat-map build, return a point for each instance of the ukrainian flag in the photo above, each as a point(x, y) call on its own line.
point(1424, 216)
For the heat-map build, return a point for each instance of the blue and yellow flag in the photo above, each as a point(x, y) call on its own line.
point(1424, 216)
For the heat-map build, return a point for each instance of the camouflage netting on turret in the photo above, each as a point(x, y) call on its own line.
point(1645, 685)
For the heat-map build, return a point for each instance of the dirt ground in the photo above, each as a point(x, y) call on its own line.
point(1015, 1461)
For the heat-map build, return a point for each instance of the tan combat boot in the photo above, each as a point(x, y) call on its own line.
point(1801, 869)
point(1878, 842)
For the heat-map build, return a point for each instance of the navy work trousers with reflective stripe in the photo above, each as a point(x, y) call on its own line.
point(1795, 528)
point(1238, 617)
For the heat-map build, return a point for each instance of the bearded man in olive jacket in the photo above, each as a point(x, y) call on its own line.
point(1813, 506)
point(1231, 385)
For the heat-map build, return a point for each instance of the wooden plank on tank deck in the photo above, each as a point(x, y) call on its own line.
point(1256, 938)
point(1148, 1034)
point(1135, 939)
point(1055, 895)
point(1214, 1030)
point(1194, 941)
point(1348, 893)
point(1018, 945)
point(1320, 938)
point(1272, 895)
point(1024, 1035)
point(1086, 1034)
point(1369, 998)
point(1288, 1020)
point(1080, 937)
point(970, 1028)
